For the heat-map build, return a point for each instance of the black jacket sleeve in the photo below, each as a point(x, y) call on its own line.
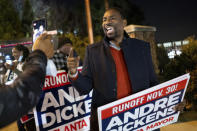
point(84, 81)
point(17, 99)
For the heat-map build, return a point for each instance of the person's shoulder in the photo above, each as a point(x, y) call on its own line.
point(95, 45)
point(138, 42)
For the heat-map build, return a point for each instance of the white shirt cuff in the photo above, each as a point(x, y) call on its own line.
point(72, 76)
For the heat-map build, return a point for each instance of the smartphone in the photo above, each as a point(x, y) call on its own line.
point(8, 59)
point(39, 26)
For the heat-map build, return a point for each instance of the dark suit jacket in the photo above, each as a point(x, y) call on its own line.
point(99, 71)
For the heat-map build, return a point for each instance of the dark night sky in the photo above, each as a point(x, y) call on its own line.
point(174, 19)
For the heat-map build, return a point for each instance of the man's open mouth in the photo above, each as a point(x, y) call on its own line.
point(109, 29)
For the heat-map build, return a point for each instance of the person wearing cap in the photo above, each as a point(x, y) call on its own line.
point(60, 56)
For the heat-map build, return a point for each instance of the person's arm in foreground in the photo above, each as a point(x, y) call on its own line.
point(17, 99)
point(81, 81)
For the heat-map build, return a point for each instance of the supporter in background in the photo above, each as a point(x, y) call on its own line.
point(20, 53)
point(60, 56)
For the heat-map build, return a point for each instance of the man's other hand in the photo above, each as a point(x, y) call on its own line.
point(180, 107)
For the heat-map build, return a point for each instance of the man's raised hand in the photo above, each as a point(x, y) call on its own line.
point(72, 62)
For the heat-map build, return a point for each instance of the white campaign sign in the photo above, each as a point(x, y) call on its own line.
point(146, 110)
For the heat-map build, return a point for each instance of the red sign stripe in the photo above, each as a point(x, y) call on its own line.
point(165, 91)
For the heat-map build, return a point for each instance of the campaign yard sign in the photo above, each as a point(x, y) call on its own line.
point(61, 108)
point(147, 110)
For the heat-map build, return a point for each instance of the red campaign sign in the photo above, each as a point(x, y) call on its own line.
point(146, 110)
point(57, 81)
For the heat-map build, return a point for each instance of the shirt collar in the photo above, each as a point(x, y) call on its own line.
point(108, 43)
point(114, 46)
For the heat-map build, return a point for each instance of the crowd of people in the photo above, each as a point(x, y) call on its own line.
point(22, 63)
point(114, 68)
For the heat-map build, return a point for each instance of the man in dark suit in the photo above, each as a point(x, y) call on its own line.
point(114, 68)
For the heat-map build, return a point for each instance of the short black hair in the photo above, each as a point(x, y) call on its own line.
point(63, 40)
point(117, 10)
point(24, 49)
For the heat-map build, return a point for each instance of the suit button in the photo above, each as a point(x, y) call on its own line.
point(114, 90)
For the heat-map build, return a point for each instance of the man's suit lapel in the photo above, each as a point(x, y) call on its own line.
point(133, 58)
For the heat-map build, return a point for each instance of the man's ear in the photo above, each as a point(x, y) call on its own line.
point(124, 22)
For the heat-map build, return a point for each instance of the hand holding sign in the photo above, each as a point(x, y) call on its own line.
point(72, 62)
point(180, 107)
